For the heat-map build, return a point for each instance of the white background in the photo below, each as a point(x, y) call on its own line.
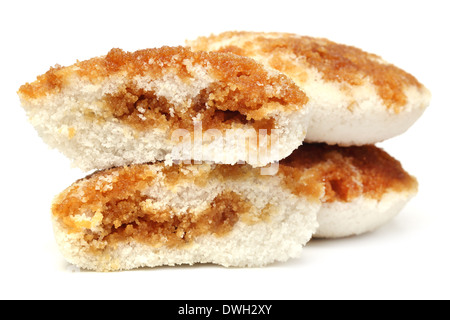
point(407, 259)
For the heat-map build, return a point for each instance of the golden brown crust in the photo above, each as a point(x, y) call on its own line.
point(335, 62)
point(348, 172)
point(239, 91)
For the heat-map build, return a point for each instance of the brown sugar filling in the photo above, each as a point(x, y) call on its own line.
point(346, 172)
point(126, 213)
point(143, 109)
point(159, 227)
point(336, 62)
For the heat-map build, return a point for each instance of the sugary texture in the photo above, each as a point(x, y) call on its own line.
point(357, 97)
point(150, 215)
point(364, 186)
point(125, 107)
point(349, 172)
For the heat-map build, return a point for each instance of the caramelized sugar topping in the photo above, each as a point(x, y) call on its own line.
point(347, 172)
point(114, 200)
point(242, 90)
point(335, 62)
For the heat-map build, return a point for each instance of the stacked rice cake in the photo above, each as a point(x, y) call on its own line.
point(357, 99)
point(200, 152)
